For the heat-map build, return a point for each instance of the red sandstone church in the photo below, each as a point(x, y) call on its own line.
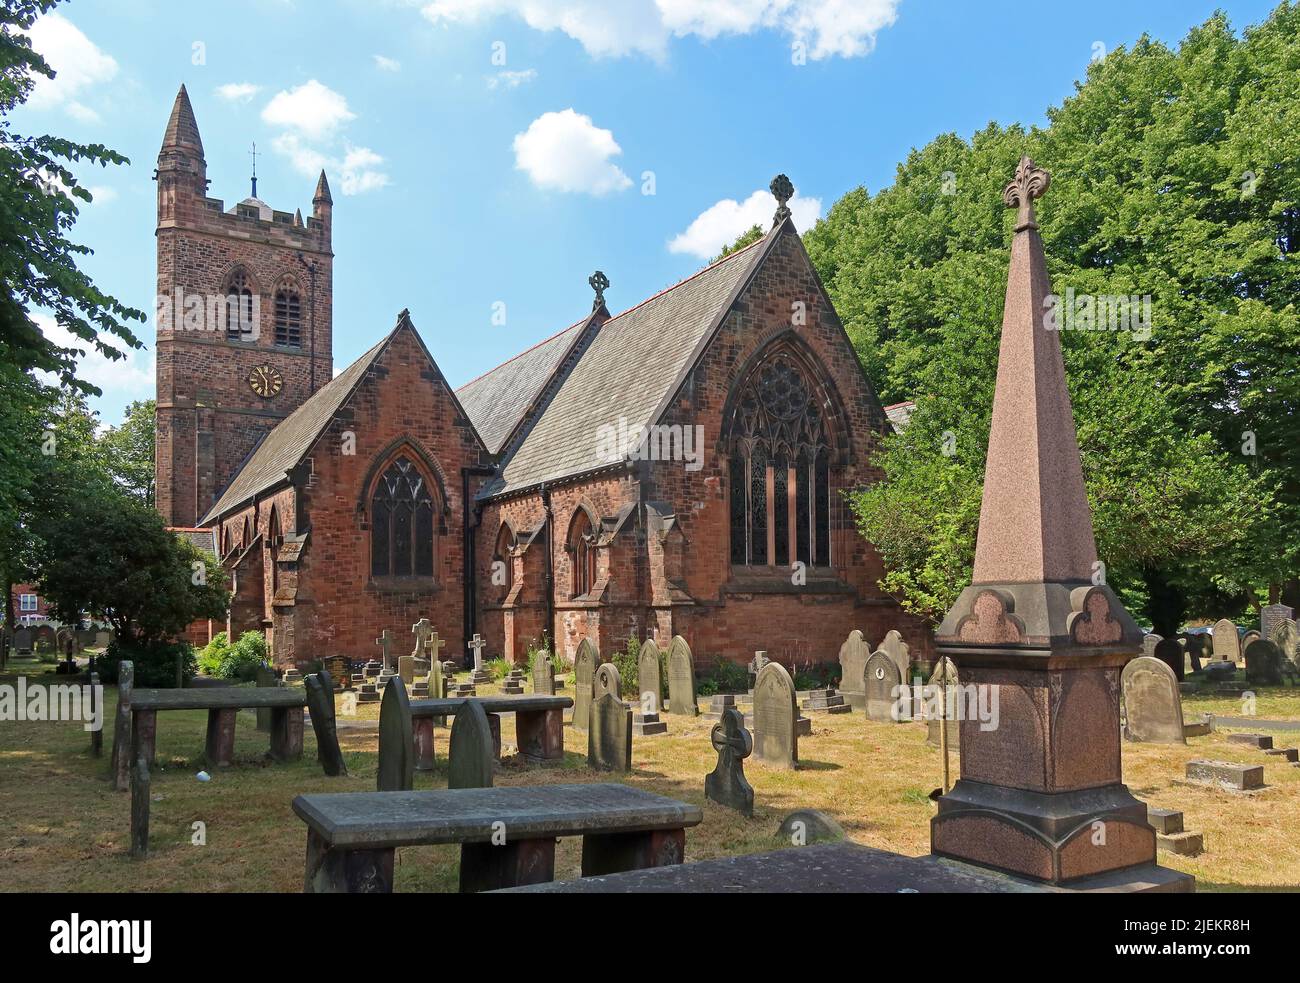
point(521, 506)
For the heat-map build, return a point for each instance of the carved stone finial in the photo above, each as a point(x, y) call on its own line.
point(599, 283)
point(1031, 182)
point(782, 191)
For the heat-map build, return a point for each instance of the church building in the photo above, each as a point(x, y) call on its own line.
point(674, 469)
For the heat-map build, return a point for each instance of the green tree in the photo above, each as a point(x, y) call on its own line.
point(1175, 175)
point(129, 448)
point(750, 235)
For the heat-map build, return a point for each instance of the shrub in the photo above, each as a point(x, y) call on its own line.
point(244, 657)
point(155, 662)
point(499, 668)
point(706, 686)
point(731, 677)
point(213, 654)
point(626, 664)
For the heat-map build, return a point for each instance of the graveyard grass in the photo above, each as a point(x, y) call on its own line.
point(66, 830)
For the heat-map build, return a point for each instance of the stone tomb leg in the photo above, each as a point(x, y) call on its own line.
point(486, 867)
point(422, 735)
point(219, 749)
point(611, 853)
point(144, 730)
point(346, 871)
point(540, 735)
point(286, 733)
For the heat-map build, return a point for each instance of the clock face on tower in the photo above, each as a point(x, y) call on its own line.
point(266, 381)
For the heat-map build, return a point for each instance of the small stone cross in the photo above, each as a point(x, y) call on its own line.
point(421, 630)
point(477, 643)
point(385, 641)
point(433, 646)
point(731, 740)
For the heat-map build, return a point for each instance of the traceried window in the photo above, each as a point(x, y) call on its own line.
point(505, 543)
point(402, 523)
point(239, 308)
point(288, 316)
point(582, 547)
point(779, 469)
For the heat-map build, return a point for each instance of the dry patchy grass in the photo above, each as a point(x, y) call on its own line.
point(65, 828)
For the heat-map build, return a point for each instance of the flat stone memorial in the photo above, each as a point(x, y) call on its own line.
point(681, 679)
point(1153, 707)
point(351, 836)
point(1226, 775)
point(776, 737)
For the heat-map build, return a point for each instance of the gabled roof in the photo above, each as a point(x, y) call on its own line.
point(627, 372)
point(293, 437)
point(203, 540)
point(900, 414)
point(498, 399)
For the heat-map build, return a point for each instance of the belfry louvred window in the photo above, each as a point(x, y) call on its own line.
point(288, 317)
point(402, 527)
point(779, 469)
point(239, 308)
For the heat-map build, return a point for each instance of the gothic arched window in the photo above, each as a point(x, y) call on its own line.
point(273, 547)
point(402, 523)
point(779, 469)
point(288, 316)
point(505, 544)
point(240, 310)
point(582, 548)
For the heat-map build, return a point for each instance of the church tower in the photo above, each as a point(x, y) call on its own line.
point(244, 316)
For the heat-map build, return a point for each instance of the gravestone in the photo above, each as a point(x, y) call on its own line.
point(1153, 709)
point(776, 737)
point(726, 784)
point(385, 643)
point(853, 659)
point(543, 675)
point(681, 679)
point(608, 681)
point(1247, 640)
point(584, 667)
point(320, 704)
point(1149, 643)
point(609, 739)
point(1286, 637)
point(422, 629)
point(340, 669)
point(23, 640)
point(121, 761)
point(755, 666)
point(266, 678)
point(649, 684)
point(942, 680)
point(1264, 663)
point(804, 827)
point(396, 740)
point(894, 647)
point(470, 751)
point(1172, 654)
point(1196, 650)
point(881, 682)
point(1227, 643)
point(1271, 616)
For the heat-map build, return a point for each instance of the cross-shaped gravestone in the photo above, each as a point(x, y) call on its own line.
point(433, 645)
point(726, 783)
point(422, 629)
point(756, 666)
point(385, 642)
point(476, 644)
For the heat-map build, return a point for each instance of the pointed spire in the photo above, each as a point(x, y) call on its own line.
point(322, 191)
point(297, 218)
point(1035, 522)
point(182, 129)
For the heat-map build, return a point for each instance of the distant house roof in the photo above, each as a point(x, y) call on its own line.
point(203, 540)
point(626, 373)
point(900, 414)
point(497, 400)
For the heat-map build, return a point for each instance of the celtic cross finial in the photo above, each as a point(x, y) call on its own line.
point(1031, 182)
point(599, 283)
point(782, 190)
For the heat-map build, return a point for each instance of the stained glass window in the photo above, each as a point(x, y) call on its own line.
point(402, 523)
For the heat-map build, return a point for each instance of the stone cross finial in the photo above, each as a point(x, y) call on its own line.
point(1031, 182)
point(782, 191)
point(599, 283)
point(476, 644)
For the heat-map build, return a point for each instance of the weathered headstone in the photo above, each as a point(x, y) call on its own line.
point(608, 681)
point(1247, 640)
point(1153, 709)
point(23, 640)
point(396, 740)
point(853, 659)
point(385, 643)
point(681, 679)
point(1263, 663)
point(881, 682)
point(894, 647)
point(584, 667)
point(776, 738)
point(726, 784)
point(121, 762)
point(1149, 643)
point(609, 738)
point(1227, 642)
point(1287, 639)
point(320, 704)
point(941, 683)
point(543, 675)
point(755, 666)
point(470, 752)
point(649, 684)
point(1196, 650)
point(804, 827)
point(1271, 616)
point(1172, 654)
point(422, 629)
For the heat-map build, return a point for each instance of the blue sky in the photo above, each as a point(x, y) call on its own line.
point(488, 152)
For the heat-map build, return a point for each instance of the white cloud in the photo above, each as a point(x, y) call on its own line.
point(721, 223)
point(511, 80)
point(78, 65)
point(238, 91)
point(827, 28)
point(313, 109)
point(565, 151)
point(359, 169)
point(131, 377)
point(386, 64)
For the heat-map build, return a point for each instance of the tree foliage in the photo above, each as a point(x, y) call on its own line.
point(1175, 175)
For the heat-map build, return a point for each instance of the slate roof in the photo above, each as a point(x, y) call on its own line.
point(286, 445)
point(496, 400)
point(629, 369)
point(204, 540)
point(900, 414)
